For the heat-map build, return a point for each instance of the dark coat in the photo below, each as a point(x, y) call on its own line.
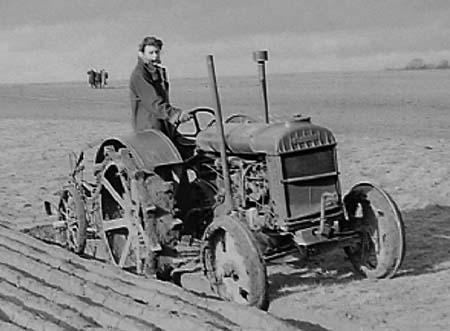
point(149, 94)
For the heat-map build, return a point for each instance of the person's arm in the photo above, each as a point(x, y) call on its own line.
point(154, 102)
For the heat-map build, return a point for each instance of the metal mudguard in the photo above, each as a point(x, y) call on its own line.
point(149, 148)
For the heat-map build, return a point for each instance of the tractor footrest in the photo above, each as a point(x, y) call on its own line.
point(191, 267)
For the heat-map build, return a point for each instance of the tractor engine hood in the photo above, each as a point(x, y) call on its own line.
point(261, 138)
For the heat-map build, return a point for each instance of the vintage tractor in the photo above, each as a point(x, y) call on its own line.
point(246, 193)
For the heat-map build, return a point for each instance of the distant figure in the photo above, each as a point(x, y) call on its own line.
point(97, 80)
point(91, 78)
point(103, 77)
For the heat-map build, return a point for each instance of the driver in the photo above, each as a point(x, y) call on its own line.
point(149, 93)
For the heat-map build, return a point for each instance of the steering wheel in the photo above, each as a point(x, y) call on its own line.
point(235, 118)
point(195, 121)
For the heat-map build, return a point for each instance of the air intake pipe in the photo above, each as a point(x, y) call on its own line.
point(261, 57)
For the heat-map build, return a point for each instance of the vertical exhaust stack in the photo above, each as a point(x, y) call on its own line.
point(261, 57)
point(223, 157)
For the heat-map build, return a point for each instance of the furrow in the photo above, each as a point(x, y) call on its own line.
point(21, 316)
point(105, 317)
point(9, 326)
point(71, 319)
point(224, 315)
point(100, 295)
point(153, 298)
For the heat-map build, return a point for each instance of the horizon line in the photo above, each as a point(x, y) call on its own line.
point(201, 77)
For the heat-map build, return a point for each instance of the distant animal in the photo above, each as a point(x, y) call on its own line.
point(104, 77)
point(91, 78)
point(98, 79)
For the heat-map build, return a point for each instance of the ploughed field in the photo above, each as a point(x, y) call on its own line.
point(44, 288)
point(392, 128)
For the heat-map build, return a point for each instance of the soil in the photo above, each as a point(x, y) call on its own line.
point(391, 129)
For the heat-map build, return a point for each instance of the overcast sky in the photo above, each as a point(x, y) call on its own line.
point(59, 40)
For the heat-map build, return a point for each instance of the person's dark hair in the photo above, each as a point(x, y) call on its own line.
point(150, 41)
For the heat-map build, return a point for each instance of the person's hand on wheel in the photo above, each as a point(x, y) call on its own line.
point(184, 116)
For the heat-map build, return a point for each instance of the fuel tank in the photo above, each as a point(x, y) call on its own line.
point(270, 139)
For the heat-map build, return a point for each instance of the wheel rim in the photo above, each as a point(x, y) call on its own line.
point(381, 226)
point(231, 274)
point(68, 213)
point(380, 208)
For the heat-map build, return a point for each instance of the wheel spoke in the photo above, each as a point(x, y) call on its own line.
point(116, 196)
point(126, 194)
point(115, 224)
point(125, 251)
point(64, 210)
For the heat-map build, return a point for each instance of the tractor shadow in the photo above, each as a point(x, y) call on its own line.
point(427, 233)
point(427, 240)
point(290, 277)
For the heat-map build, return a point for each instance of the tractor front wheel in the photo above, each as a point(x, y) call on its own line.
point(382, 247)
point(234, 264)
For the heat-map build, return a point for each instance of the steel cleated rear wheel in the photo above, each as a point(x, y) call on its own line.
point(71, 210)
point(130, 236)
point(234, 264)
point(382, 247)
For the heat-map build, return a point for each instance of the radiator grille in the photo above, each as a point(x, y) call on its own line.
point(306, 176)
